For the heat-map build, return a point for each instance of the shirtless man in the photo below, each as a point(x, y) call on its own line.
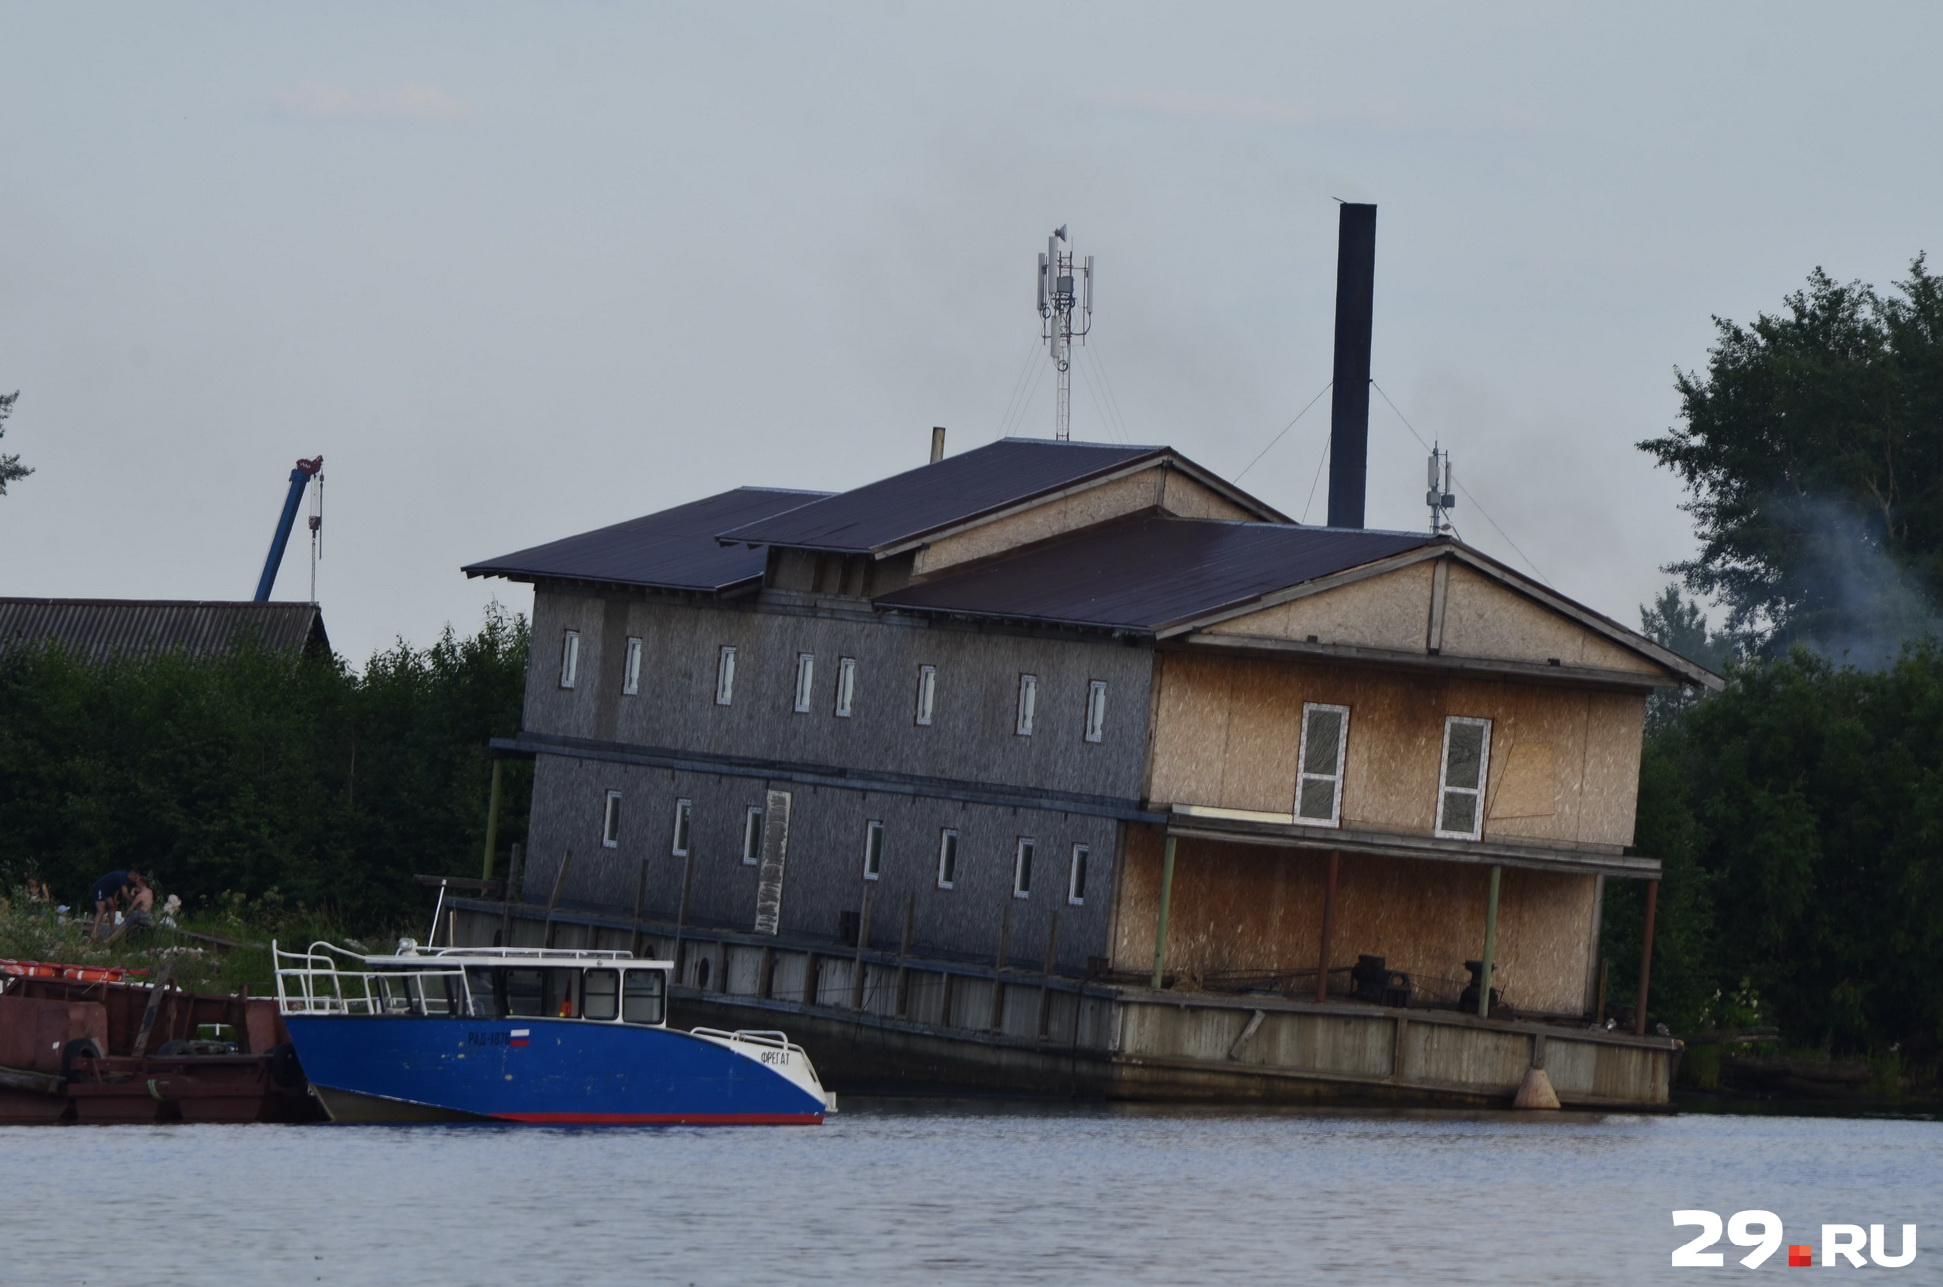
point(141, 906)
point(107, 892)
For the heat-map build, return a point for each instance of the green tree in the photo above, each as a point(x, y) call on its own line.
point(11, 470)
point(1812, 453)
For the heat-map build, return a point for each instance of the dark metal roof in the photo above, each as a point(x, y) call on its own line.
point(888, 513)
point(97, 629)
point(675, 549)
point(1144, 574)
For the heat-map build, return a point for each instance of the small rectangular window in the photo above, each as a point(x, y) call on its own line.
point(682, 809)
point(642, 995)
point(610, 822)
point(927, 694)
point(846, 685)
point(631, 672)
point(725, 677)
point(569, 658)
point(805, 680)
point(1319, 761)
point(1022, 868)
point(1076, 882)
point(600, 994)
point(873, 850)
point(752, 836)
point(947, 858)
point(1095, 710)
point(1460, 787)
point(1028, 704)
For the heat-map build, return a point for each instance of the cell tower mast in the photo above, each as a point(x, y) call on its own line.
point(1065, 288)
point(1440, 498)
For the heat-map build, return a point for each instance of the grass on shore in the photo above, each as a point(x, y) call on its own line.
point(38, 931)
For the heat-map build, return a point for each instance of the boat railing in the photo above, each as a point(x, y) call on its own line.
point(313, 982)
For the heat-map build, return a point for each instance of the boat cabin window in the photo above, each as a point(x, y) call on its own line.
point(487, 987)
point(541, 993)
point(643, 996)
point(599, 994)
point(396, 989)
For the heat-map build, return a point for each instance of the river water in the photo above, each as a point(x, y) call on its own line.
point(904, 1191)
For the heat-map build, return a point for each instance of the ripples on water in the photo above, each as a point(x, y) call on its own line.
point(917, 1192)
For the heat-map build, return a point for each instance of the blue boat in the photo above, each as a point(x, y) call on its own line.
point(526, 1035)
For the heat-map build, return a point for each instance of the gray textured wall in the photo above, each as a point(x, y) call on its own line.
point(824, 876)
point(978, 672)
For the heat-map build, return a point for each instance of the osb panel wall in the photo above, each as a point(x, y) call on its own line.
point(1253, 907)
point(1564, 763)
point(1389, 611)
point(1483, 619)
point(1159, 487)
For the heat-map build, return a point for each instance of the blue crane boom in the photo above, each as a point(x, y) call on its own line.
point(299, 478)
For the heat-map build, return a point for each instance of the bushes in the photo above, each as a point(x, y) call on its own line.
point(255, 770)
point(1800, 817)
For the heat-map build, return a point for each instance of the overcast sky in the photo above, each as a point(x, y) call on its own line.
point(520, 271)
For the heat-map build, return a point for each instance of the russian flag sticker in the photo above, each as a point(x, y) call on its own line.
point(520, 1036)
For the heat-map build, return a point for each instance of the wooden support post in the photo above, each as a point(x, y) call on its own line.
point(1160, 925)
point(1646, 958)
point(492, 815)
point(1599, 1002)
point(1045, 976)
point(903, 955)
point(998, 967)
point(515, 872)
point(1490, 943)
point(1328, 926)
point(559, 880)
point(863, 937)
point(681, 915)
point(640, 896)
point(766, 974)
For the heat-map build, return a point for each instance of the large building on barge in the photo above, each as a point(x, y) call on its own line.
point(1071, 766)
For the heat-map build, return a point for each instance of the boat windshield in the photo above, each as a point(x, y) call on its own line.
point(600, 994)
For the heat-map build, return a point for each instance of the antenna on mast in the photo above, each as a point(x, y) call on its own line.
point(1441, 499)
point(1065, 287)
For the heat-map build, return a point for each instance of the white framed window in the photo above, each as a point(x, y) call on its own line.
point(1028, 704)
point(1319, 764)
point(1095, 710)
point(1460, 784)
point(846, 685)
point(631, 669)
point(1022, 867)
point(873, 849)
point(569, 658)
point(725, 676)
point(927, 694)
point(947, 858)
point(752, 836)
point(680, 846)
point(1076, 878)
point(805, 680)
point(610, 822)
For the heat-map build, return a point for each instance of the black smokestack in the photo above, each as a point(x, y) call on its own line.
point(1349, 403)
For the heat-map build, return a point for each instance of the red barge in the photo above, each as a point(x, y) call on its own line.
point(95, 1045)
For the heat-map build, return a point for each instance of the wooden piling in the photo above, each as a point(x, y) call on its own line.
point(1328, 926)
point(1490, 943)
point(1646, 958)
point(1160, 926)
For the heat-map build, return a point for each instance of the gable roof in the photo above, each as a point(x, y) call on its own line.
point(674, 549)
point(1169, 577)
point(1148, 573)
point(99, 629)
point(899, 512)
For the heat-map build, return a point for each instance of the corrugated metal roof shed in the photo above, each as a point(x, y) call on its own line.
point(97, 629)
point(675, 549)
point(1144, 574)
point(887, 513)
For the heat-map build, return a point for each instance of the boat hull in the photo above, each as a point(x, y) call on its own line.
point(371, 1069)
